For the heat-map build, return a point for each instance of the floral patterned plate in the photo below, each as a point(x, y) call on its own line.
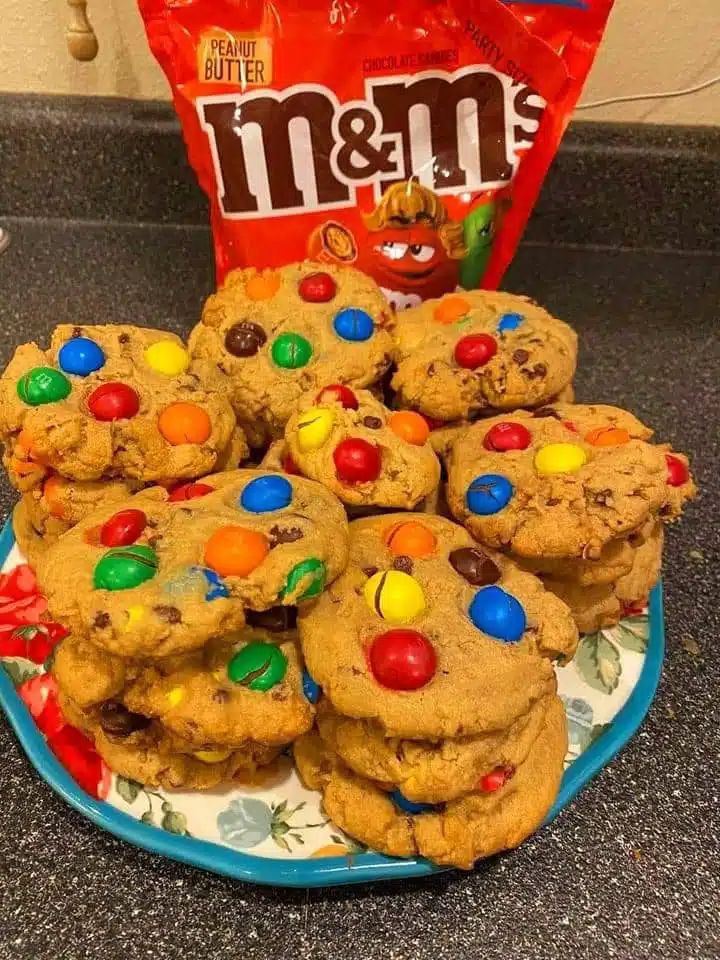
point(274, 831)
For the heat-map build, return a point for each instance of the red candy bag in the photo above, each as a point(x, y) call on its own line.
point(409, 139)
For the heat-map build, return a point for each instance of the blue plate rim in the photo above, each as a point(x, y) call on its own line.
point(321, 872)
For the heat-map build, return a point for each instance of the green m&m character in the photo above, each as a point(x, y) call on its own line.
point(43, 385)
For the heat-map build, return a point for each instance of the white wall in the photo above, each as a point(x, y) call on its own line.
point(649, 45)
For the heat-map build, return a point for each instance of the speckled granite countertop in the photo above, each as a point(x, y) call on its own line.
point(629, 870)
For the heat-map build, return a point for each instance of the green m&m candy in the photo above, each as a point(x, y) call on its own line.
point(125, 568)
point(43, 385)
point(312, 571)
point(291, 351)
point(258, 666)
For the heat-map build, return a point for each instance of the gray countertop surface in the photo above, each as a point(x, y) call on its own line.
point(630, 869)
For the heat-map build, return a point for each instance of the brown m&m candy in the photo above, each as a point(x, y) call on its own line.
point(474, 566)
point(244, 339)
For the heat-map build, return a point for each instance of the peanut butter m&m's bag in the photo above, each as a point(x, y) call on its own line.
point(407, 138)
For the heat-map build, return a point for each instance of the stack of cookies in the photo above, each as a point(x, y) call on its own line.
point(102, 412)
point(575, 493)
point(182, 663)
point(217, 619)
point(440, 731)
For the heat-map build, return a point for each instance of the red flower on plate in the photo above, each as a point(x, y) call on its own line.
point(39, 694)
point(22, 631)
point(82, 761)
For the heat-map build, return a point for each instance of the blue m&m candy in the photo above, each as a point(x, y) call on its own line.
point(509, 321)
point(499, 614)
point(488, 494)
point(81, 356)
point(311, 689)
point(266, 494)
point(409, 806)
point(353, 324)
point(217, 587)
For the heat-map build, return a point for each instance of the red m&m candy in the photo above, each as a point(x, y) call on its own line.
point(189, 491)
point(113, 401)
point(402, 659)
point(123, 528)
point(677, 471)
point(496, 779)
point(356, 460)
point(475, 350)
point(507, 436)
point(317, 288)
point(338, 393)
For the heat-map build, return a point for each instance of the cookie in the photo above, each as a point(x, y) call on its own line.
point(592, 607)
point(113, 401)
point(430, 771)
point(614, 561)
point(560, 482)
point(366, 454)
point(480, 350)
point(454, 834)
point(242, 687)
point(149, 756)
point(281, 333)
point(161, 572)
point(635, 586)
point(429, 636)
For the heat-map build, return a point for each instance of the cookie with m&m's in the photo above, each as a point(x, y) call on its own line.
point(110, 402)
point(161, 572)
point(478, 351)
point(276, 337)
point(456, 833)
point(366, 454)
point(429, 636)
point(562, 481)
point(242, 688)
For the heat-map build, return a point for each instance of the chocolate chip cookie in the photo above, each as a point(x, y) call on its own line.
point(280, 333)
point(480, 350)
point(114, 402)
point(562, 481)
point(429, 636)
point(366, 454)
point(161, 572)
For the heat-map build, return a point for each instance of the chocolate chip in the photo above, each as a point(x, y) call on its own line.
point(101, 621)
point(154, 541)
point(537, 372)
point(546, 412)
point(604, 498)
point(475, 566)
point(403, 563)
point(117, 721)
point(521, 356)
point(284, 535)
point(553, 502)
point(221, 696)
point(78, 332)
point(431, 370)
point(244, 339)
point(369, 571)
point(171, 614)
point(276, 619)
point(372, 423)
point(124, 338)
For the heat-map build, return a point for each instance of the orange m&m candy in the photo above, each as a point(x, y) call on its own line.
point(235, 551)
point(410, 539)
point(451, 309)
point(50, 495)
point(184, 423)
point(262, 286)
point(410, 427)
point(607, 437)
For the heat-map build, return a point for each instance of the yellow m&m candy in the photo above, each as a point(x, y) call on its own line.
point(314, 427)
point(395, 596)
point(559, 458)
point(167, 357)
point(212, 756)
